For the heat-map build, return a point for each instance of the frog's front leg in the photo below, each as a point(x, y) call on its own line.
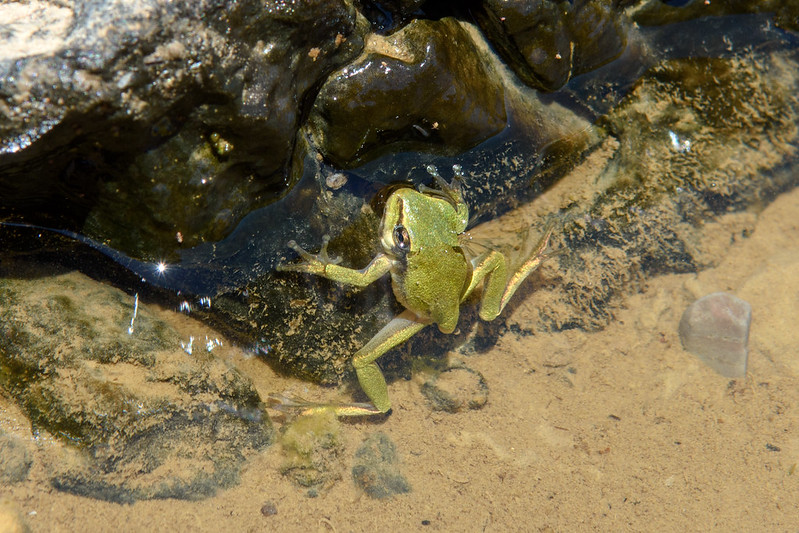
point(499, 288)
point(323, 265)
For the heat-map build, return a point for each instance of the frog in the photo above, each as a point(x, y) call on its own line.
point(432, 275)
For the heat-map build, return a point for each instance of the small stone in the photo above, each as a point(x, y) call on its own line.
point(336, 181)
point(269, 509)
point(311, 446)
point(715, 328)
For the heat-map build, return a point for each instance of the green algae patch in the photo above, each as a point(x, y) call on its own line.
point(311, 445)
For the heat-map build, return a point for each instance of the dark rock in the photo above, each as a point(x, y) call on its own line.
point(657, 12)
point(424, 87)
point(387, 15)
point(147, 420)
point(548, 42)
point(376, 470)
point(715, 328)
point(15, 459)
point(269, 509)
point(88, 111)
point(456, 389)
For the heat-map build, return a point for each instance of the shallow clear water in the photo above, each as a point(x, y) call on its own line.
point(610, 426)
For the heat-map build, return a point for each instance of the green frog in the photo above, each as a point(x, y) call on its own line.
point(431, 276)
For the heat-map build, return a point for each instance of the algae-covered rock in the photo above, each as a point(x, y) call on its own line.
point(696, 139)
point(311, 445)
point(654, 12)
point(143, 418)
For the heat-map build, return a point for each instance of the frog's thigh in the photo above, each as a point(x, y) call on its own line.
point(490, 266)
point(371, 379)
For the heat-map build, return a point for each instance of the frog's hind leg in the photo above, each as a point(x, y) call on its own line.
point(532, 262)
point(371, 379)
point(491, 267)
point(498, 288)
point(401, 328)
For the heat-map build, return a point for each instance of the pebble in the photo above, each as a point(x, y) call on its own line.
point(269, 509)
point(715, 328)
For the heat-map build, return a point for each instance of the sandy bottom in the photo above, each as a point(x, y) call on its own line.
point(616, 430)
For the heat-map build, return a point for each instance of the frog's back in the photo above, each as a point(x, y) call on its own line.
point(430, 271)
point(431, 285)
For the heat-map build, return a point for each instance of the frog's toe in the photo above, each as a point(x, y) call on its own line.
point(281, 402)
point(307, 257)
point(297, 248)
point(297, 406)
point(324, 257)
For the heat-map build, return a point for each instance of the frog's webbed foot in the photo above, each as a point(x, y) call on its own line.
point(298, 406)
point(538, 246)
point(311, 263)
point(448, 190)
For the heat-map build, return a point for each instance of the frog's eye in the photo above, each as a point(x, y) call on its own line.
point(402, 241)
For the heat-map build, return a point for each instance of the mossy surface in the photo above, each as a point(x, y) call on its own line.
point(142, 417)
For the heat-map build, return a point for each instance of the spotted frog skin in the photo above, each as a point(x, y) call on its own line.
point(431, 276)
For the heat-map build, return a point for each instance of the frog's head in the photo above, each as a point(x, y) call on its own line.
point(416, 223)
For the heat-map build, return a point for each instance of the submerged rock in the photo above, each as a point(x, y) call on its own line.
point(656, 12)
point(715, 328)
point(644, 215)
point(311, 446)
point(376, 470)
point(143, 418)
